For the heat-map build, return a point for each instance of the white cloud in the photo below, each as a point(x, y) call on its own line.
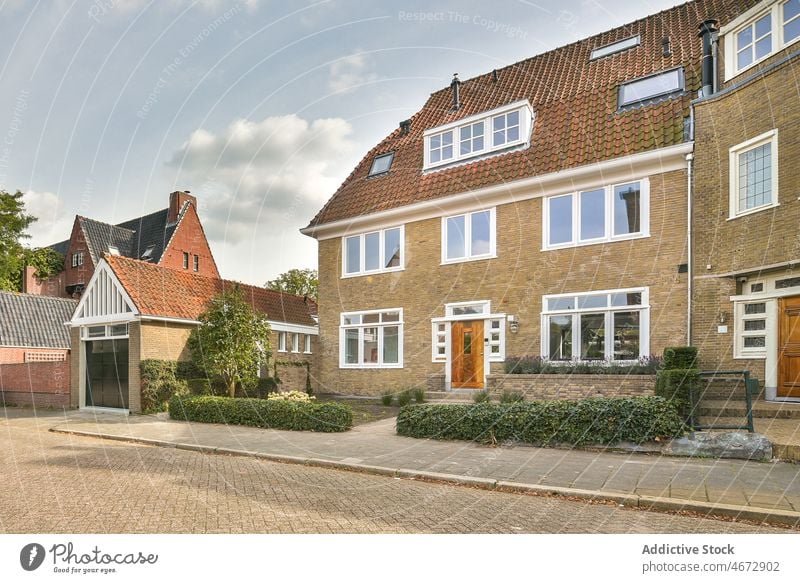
point(258, 182)
point(350, 72)
point(54, 223)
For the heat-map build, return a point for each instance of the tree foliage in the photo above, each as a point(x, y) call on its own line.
point(232, 340)
point(301, 282)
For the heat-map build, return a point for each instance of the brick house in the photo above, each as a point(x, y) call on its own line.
point(34, 349)
point(133, 310)
point(538, 209)
point(745, 212)
point(172, 237)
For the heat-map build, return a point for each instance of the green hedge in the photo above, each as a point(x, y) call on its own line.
point(679, 379)
point(588, 421)
point(273, 414)
point(680, 357)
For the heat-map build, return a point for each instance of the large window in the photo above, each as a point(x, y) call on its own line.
point(373, 252)
point(650, 88)
point(505, 127)
point(371, 339)
point(759, 33)
point(607, 325)
point(754, 174)
point(469, 236)
point(610, 213)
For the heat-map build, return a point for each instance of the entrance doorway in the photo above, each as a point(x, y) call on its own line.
point(467, 355)
point(789, 347)
point(107, 373)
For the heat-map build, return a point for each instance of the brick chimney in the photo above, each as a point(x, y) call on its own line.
point(176, 200)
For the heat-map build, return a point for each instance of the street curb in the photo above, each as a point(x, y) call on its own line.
point(654, 503)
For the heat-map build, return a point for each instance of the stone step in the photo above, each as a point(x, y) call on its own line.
point(737, 408)
point(784, 434)
point(450, 396)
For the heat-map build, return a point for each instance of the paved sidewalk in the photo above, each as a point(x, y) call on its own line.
point(753, 490)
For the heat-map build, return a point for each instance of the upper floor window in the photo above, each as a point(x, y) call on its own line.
point(500, 128)
point(648, 88)
point(759, 33)
point(381, 164)
point(610, 213)
point(77, 259)
point(373, 252)
point(754, 174)
point(196, 264)
point(616, 47)
point(185, 260)
point(469, 236)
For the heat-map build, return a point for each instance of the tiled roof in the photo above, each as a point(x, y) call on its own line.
point(35, 321)
point(575, 103)
point(158, 291)
point(131, 237)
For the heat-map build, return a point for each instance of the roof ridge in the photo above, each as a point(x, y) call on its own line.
point(115, 226)
point(36, 297)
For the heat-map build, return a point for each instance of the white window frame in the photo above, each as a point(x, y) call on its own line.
point(526, 119)
point(609, 236)
point(739, 333)
point(77, 259)
point(196, 263)
point(185, 260)
point(615, 47)
point(655, 96)
point(506, 142)
point(295, 342)
point(381, 250)
point(108, 334)
point(430, 148)
point(608, 311)
point(770, 137)
point(749, 18)
point(281, 341)
point(439, 339)
point(360, 327)
point(468, 256)
point(307, 344)
point(441, 329)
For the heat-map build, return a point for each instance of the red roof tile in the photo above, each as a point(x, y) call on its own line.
point(158, 291)
point(575, 103)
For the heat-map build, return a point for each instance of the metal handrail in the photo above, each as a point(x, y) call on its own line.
point(750, 387)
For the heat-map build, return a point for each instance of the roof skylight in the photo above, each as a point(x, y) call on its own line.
point(616, 47)
point(381, 164)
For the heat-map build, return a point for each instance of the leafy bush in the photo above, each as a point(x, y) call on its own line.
point(539, 365)
point(512, 397)
point(267, 413)
point(680, 357)
point(419, 395)
point(387, 399)
point(588, 421)
point(481, 397)
point(679, 382)
point(404, 398)
point(298, 396)
point(159, 383)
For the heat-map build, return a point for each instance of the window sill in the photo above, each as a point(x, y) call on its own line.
point(595, 242)
point(753, 211)
point(750, 357)
point(468, 259)
point(369, 366)
point(376, 272)
point(308, 353)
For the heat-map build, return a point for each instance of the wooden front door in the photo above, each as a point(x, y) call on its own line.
point(467, 355)
point(789, 347)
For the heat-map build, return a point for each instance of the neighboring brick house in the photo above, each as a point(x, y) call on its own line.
point(133, 310)
point(34, 349)
point(746, 212)
point(172, 237)
point(538, 209)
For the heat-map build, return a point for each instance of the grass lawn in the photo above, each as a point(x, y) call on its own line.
point(364, 410)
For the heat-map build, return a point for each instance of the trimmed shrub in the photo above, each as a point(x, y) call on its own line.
point(387, 399)
point(404, 398)
point(512, 397)
point(419, 395)
point(159, 383)
point(481, 397)
point(680, 357)
point(589, 421)
point(298, 396)
point(538, 365)
point(266, 413)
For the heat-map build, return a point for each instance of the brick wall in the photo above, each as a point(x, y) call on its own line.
point(293, 377)
point(15, 354)
point(165, 340)
point(80, 274)
point(54, 286)
point(764, 238)
point(42, 384)
point(571, 386)
point(514, 282)
point(189, 237)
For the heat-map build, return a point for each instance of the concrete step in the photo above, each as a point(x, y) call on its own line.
point(450, 396)
point(737, 408)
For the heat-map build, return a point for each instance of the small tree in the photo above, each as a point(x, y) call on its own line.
point(14, 222)
point(232, 340)
point(300, 282)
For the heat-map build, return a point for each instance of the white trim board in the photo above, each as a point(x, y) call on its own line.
point(622, 169)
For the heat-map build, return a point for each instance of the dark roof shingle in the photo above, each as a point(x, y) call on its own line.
point(34, 321)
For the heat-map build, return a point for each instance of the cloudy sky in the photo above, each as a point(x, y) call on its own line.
point(260, 108)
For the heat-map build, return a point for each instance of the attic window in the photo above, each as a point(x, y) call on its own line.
point(113, 250)
point(381, 164)
point(616, 47)
point(645, 89)
point(148, 252)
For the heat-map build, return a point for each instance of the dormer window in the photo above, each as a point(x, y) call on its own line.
point(381, 164)
point(113, 250)
point(506, 127)
point(148, 252)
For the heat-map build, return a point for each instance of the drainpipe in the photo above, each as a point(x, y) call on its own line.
point(689, 270)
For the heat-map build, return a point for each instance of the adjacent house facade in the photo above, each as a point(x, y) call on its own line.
point(172, 237)
point(34, 349)
point(539, 209)
point(746, 211)
point(133, 310)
